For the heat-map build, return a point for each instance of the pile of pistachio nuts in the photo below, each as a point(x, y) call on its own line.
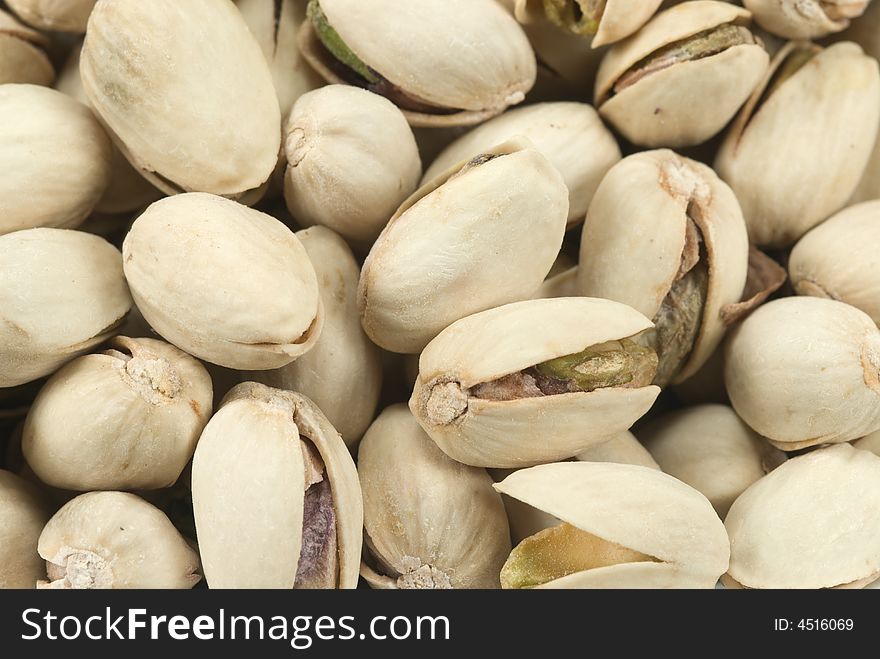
point(439, 294)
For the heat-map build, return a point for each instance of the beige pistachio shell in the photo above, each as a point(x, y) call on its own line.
point(712, 450)
point(267, 311)
point(869, 443)
point(248, 483)
point(570, 135)
point(128, 418)
point(690, 101)
point(805, 19)
point(429, 522)
point(54, 156)
point(508, 339)
point(639, 217)
point(61, 293)
point(824, 117)
point(866, 32)
point(803, 371)
point(115, 540)
point(869, 187)
point(839, 259)
point(54, 15)
point(342, 374)
point(22, 55)
point(23, 514)
point(635, 507)
point(352, 160)
point(620, 18)
point(186, 93)
point(564, 284)
point(480, 235)
point(622, 448)
point(811, 523)
point(489, 66)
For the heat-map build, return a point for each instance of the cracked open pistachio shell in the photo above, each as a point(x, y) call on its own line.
point(429, 522)
point(606, 21)
point(185, 92)
point(816, 112)
point(23, 514)
point(223, 282)
point(342, 374)
point(483, 234)
point(805, 19)
point(22, 55)
point(810, 523)
point(534, 381)
point(276, 496)
point(351, 161)
point(712, 450)
point(115, 540)
point(839, 259)
point(124, 419)
point(683, 228)
point(622, 526)
point(803, 371)
point(443, 62)
point(55, 159)
point(570, 135)
point(54, 15)
point(61, 294)
point(682, 77)
point(622, 448)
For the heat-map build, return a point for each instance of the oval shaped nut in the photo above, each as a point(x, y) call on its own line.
point(55, 16)
point(266, 312)
point(666, 236)
point(570, 135)
point(23, 58)
point(116, 540)
point(839, 259)
point(42, 184)
point(712, 450)
point(342, 374)
point(483, 234)
point(869, 442)
point(61, 293)
point(623, 526)
point(805, 19)
point(811, 523)
point(681, 78)
point(803, 371)
point(818, 108)
point(23, 514)
point(185, 92)
point(276, 496)
point(534, 381)
point(443, 62)
point(351, 161)
point(429, 522)
point(622, 448)
point(125, 419)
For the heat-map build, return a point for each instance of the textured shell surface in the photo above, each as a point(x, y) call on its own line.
point(23, 514)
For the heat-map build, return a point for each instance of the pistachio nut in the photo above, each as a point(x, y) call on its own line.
point(570, 135)
point(61, 294)
point(275, 494)
point(351, 161)
point(534, 381)
point(712, 450)
point(803, 371)
point(817, 108)
point(683, 227)
point(606, 21)
point(622, 526)
point(839, 259)
point(869, 443)
point(429, 522)
point(563, 284)
point(401, 50)
point(682, 77)
point(127, 418)
point(810, 523)
point(192, 114)
point(23, 514)
point(342, 374)
point(482, 234)
point(805, 19)
point(869, 187)
point(622, 448)
point(180, 250)
point(102, 540)
point(54, 15)
point(23, 57)
point(42, 184)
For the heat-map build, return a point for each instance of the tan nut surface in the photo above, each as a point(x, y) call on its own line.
point(23, 514)
point(805, 19)
point(55, 15)
point(22, 55)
